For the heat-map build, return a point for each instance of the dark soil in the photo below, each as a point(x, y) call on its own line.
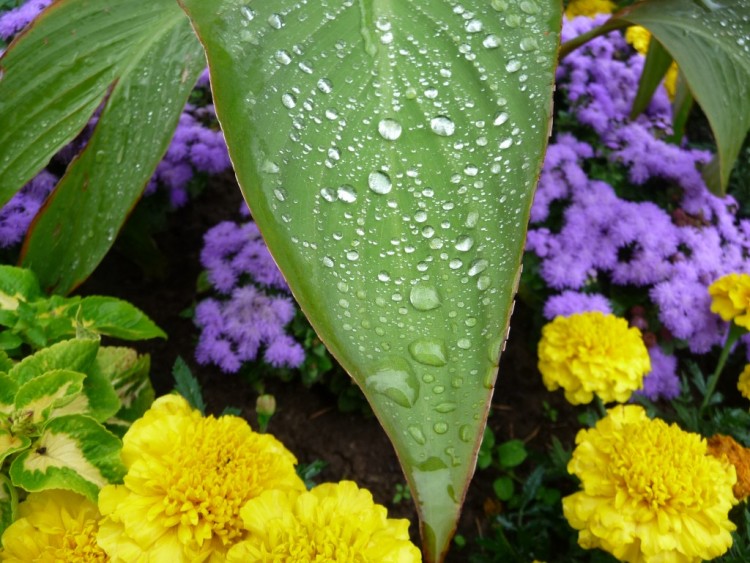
point(307, 421)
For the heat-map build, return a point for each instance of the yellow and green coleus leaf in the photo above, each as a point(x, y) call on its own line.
point(74, 452)
point(16, 285)
point(8, 503)
point(129, 374)
point(10, 443)
point(8, 390)
point(38, 398)
point(77, 355)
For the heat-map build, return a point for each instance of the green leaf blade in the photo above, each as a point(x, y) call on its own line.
point(711, 46)
point(152, 59)
point(389, 152)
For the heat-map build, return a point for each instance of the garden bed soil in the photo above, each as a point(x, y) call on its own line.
point(307, 421)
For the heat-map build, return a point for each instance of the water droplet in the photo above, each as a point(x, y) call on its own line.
point(389, 129)
point(343, 287)
point(429, 351)
point(431, 93)
point(280, 194)
point(352, 255)
point(428, 231)
point(386, 38)
point(269, 167)
point(249, 13)
point(275, 21)
point(440, 427)
point(500, 118)
point(528, 44)
point(464, 243)
point(471, 219)
point(465, 433)
point(483, 282)
point(474, 26)
point(417, 434)
point(442, 126)
point(529, 7)
point(347, 193)
point(384, 276)
point(283, 57)
point(478, 266)
point(471, 170)
point(491, 42)
point(325, 86)
point(396, 381)
point(506, 143)
point(327, 261)
point(379, 182)
point(499, 5)
point(288, 100)
point(446, 407)
point(513, 65)
point(328, 194)
point(463, 343)
point(493, 350)
point(420, 216)
point(438, 389)
point(424, 297)
point(455, 264)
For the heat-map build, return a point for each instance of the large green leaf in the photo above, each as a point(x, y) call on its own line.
point(710, 41)
point(389, 151)
point(146, 57)
point(8, 503)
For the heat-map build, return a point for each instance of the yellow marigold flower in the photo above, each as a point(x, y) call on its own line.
point(588, 8)
point(639, 37)
point(650, 491)
point(730, 298)
point(743, 383)
point(591, 353)
point(739, 456)
point(332, 522)
point(53, 526)
point(188, 477)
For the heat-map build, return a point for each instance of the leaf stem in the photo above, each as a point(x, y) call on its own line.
point(610, 25)
point(735, 332)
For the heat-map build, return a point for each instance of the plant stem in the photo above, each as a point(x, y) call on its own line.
point(610, 25)
point(734, 333)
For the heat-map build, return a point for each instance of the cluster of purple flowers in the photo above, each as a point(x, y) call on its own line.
point(197, 147)
point(253, 305)
point(674, 252)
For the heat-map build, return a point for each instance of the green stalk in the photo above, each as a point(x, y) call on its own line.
point(735, 332)
point(573, 44)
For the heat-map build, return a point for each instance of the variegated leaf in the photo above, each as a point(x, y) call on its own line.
point(77, 355)
point(55, 389)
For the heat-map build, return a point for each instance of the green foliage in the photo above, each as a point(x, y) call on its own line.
point(402, 493)
point(393, 180)
point(30, 320)
point(187, 385)
point(309, 471)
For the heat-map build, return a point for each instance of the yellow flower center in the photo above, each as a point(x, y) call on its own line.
point(79, 545)
point(211, 478)
point(660, 466)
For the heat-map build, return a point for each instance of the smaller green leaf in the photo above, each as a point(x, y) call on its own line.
point(99, 399)
point(129, 375)
point(8, 390)
point(681, 107)
point(17, 284)
point(187, 385)
point(6, 364)
point(8, 503)
point(503, 488)
point(658, 61)
point(38, 397)
point(10, 443)
point(484, 458)
point(115, 317)
point(9, 341)
point(511, 453)
point(75, 453)
point(77, 355)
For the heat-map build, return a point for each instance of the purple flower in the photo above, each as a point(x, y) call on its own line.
point(13, 21)
point(662, 382)
point(17, 214)
point(571, 302)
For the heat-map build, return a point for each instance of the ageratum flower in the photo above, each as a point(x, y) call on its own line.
point(650, 491)
point(188, 477)
point(592, 353)
point(332, 522)
point(53, 525)
point(730, 298)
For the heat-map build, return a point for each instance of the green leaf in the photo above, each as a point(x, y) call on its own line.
point(146, 58)
point(8, 503)
point(511, 453)
point(187, 385)
point(658, 61)
point(129, 375)
point(6, 364)
point(98, 399)
point(503, 487)
point(710, 43)
point(54, 389)
point(115, 317)
point(683, 103)
point(8, 390)
point(17, 284)
point(75, 453)
point(389, 152)
point(11, 443)
point(75, 355)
